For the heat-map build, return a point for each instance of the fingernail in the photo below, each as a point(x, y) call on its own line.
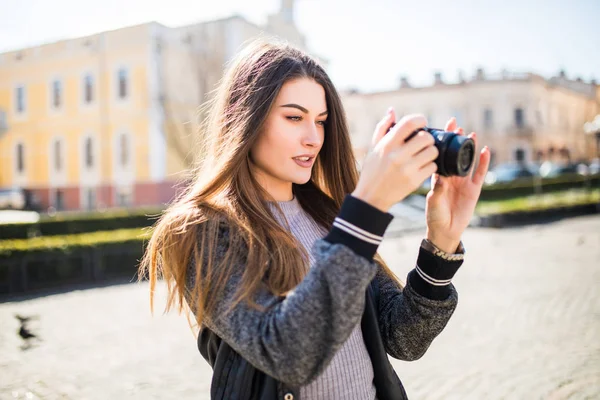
point(389, 110)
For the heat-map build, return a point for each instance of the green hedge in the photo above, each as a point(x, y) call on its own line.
point(46, 262)
point(546, 201)
point(70, 224)
point(69, 243)
point(529, 186)
point(50, 265)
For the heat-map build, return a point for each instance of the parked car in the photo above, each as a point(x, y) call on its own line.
point(550, 169)
point(16, 198)
point(509, 172)
point(594, 167)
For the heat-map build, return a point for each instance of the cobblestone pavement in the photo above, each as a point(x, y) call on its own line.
point(527, 327)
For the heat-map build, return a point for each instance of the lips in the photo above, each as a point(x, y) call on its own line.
point(305, 161)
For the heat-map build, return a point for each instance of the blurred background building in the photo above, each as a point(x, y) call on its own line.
point(522, 117)
point(109, 119)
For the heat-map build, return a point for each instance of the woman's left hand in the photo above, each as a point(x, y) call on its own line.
point(452, 199)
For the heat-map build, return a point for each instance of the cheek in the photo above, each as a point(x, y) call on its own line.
point(269, 150)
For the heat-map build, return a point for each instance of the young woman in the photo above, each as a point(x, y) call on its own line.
point(273, 246)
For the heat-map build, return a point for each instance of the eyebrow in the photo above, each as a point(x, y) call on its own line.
point(304, 110)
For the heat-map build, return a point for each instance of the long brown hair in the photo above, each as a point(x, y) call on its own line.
point(225, 193)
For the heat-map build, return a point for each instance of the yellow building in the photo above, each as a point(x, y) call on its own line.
point(99, 121)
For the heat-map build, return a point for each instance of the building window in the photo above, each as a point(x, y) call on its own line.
point(89, 153)
point(20, 158)
point(519, 118)
point(20, 99)
point(123, 83)
point(519, 155)
point(3, 121)
point(539, 156)
point(56, 94)
point(565, 154)
point(124, 150)
point(488, 120)
point(57, 155)
point(88, 89)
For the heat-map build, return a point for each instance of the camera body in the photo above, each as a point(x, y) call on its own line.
point(456, 152)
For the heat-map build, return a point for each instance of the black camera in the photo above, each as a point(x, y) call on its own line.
point(456, 152)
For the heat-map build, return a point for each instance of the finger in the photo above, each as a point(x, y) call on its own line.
point(482, 168)
point(383, 126)
point(437, 180)
point(417, 143)
point(473, 137)
point(426, 156)
point(450, 125)
point(438, 183)
point(460, 131)
point(429, 169)
point(404, 128)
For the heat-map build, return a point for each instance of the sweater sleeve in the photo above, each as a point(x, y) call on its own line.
point(411, 318)
point(296, 337)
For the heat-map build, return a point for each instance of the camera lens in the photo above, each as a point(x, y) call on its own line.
point(456, 152)
point(458, 156)
point(465, 158)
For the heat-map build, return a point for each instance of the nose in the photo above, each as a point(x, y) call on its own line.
point(312, 137)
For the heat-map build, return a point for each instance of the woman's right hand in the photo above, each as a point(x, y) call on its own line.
point(393, 168)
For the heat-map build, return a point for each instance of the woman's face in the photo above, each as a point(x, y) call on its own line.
point(291, 138)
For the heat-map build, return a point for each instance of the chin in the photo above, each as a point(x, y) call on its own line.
point(301, 180)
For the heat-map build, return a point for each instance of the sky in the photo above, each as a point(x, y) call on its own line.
point(369, 43)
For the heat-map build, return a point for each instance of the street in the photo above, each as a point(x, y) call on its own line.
point(527, 327)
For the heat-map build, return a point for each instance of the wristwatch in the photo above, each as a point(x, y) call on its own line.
point(459, 255)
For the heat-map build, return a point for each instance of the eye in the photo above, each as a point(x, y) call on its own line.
point(294, 118)
point(322, 123)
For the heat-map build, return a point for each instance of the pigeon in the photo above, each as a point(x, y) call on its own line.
point(24, 331)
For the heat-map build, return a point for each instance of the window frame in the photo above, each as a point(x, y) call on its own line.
point(22, 113)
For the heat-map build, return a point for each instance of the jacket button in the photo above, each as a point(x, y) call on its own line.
point(288, 396)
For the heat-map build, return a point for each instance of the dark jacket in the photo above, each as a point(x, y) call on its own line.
point(259, 355)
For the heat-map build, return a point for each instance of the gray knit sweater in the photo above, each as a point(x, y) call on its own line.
point(297, 338)
point(350, 374)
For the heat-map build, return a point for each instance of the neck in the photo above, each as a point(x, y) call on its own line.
point(281, 193)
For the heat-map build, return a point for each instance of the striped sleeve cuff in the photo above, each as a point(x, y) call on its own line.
point(359, 226)
point(432, 275)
